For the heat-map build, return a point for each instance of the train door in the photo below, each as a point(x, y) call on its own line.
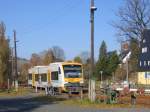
point(49, 77)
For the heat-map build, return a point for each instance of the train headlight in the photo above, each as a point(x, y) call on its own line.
point(81, 81)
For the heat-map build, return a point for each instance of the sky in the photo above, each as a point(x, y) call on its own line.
point(42, 24)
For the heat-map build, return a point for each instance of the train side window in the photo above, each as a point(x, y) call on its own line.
point(30, 76)
point(44, 77)
point(36, 77)
point(59, 71)
point(54, 75)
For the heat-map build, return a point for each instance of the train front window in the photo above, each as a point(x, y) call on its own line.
point(72, 71)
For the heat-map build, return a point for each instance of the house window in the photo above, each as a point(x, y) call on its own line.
point(144, 40)
point(144, 50)
point(148, 63)
point(145, 63)
point(140, 63)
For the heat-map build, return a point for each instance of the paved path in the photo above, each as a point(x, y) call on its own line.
point(64, 108)
point(29, 104)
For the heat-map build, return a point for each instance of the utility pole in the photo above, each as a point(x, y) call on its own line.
point(9, 70)
point(92, 10)
point(12, 66)
point(15, 64)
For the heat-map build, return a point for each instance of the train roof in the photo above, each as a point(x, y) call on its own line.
point(66, 63)
point(39, 69)
point(40, 66)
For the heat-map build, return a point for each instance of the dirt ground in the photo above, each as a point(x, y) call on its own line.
point(140, 100)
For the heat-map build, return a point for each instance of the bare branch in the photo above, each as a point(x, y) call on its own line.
point(134, 17)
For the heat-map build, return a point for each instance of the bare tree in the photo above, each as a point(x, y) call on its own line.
point(23, 76)
point(134, 17)
point(2, 30)
point(48, 57)
point(58, 53)
point(84, 56)
point(35, 60)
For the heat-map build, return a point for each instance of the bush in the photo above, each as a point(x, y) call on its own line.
point(3, 86)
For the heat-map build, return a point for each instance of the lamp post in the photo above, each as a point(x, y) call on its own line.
point(101, 73)
point(127, 65)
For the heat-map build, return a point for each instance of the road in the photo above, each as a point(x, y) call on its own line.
point(32, 104)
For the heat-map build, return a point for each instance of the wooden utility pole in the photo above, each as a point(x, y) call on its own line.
point(12, 66)
point(15, 62)
point(92, 10)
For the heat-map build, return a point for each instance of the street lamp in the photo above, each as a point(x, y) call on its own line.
point(101, 72)
point(126, 61)
point(91, 83)
point(127, 68)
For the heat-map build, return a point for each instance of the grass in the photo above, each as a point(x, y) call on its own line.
point(77, 102)
point(88, 104)
point(49, 99)
point(21, 92)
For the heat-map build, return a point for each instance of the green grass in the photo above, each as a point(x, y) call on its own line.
point(88, 104)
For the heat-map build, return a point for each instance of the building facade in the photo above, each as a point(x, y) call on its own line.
point(144, 59)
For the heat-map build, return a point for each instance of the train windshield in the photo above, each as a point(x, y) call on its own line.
point(72, 71)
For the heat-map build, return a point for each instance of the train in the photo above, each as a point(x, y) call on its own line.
point(60, 75)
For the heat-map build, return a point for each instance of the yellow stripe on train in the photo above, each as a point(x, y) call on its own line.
point(72, 80)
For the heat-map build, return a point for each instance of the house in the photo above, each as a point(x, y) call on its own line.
point(144, 59)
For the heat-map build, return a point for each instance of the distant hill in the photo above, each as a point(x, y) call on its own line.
point(21, 61)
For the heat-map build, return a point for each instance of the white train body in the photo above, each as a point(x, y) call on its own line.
point(56, 74)
point(38, 76)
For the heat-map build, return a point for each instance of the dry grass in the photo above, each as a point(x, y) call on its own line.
point(86, 103)
point(141, 100)
point(21, 92)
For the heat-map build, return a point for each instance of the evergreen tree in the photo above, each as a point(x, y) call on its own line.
point(4, 55)
point(102, 62)
point(113, 61)
point(77, 59)
point(86, 68)
point(103, 50)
